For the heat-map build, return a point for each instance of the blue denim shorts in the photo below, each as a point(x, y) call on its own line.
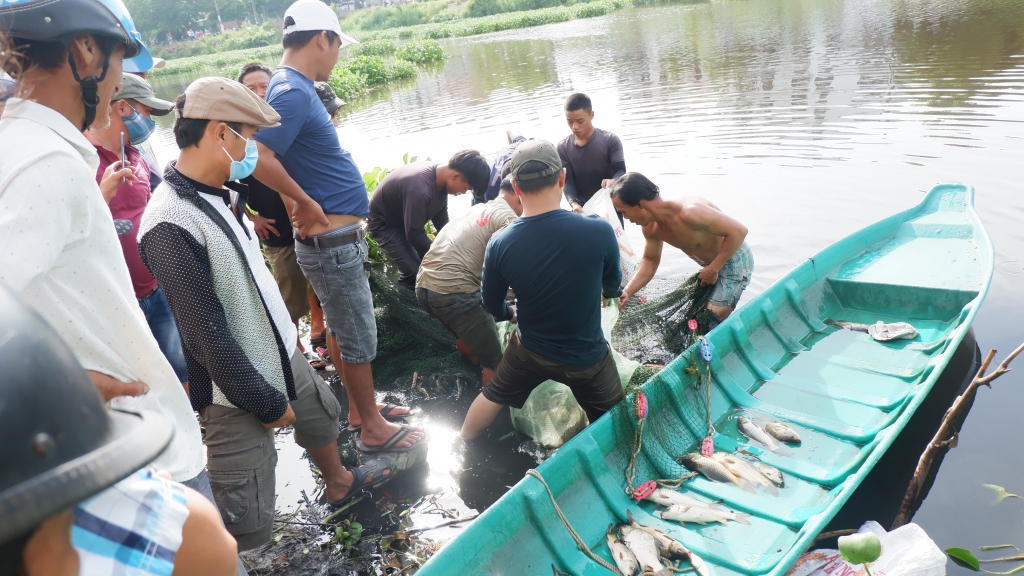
point(339, 280)
point(734, 278)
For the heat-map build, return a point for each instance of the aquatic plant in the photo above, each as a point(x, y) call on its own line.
point(379, 70)
point(346, 83)
point(421, 52)
point(373, 48)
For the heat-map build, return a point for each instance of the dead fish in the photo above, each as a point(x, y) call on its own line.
point(644, 548)
point(714, 470)
point(771, 473)
point(782, 432)
point(624, 559)
point(701, 515)
point(745, 470)
point(666, 497)
point(698, 565)
point(755, 433)
point(856, 327)
point(667, 546)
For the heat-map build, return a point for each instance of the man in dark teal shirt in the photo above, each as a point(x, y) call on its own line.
point(559, 264)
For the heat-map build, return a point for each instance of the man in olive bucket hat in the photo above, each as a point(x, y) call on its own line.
point(74, 497)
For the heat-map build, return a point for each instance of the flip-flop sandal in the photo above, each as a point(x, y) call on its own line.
point(318, 341)
point(385, 412)
point(377, 467)
point(315, 361)
point(389, 446)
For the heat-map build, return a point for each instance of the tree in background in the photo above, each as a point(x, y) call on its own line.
point(157, 17)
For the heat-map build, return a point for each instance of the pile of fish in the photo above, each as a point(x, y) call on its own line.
point(649, 551)
point(768, 435)
point(682, 508)
point(731, 469)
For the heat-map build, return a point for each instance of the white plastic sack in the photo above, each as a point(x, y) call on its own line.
point(601, 204)
point(551, 415)
point(906, 551)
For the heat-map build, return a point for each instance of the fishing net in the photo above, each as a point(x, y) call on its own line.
point(655, 329)
point(411, 343)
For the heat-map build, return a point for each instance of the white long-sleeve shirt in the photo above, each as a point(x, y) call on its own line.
point(59, 252)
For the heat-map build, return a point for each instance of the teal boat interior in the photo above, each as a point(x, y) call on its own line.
point(778, 358)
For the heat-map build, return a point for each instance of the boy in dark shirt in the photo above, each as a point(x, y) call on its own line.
point(413, 194)
point(559, 265)
point(592, 157)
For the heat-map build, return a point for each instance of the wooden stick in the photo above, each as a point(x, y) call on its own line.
point(947, 432)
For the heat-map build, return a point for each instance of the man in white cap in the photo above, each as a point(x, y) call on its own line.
point(246, 375)
point(303, 160)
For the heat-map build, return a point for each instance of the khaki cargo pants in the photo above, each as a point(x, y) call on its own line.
point(241, 456)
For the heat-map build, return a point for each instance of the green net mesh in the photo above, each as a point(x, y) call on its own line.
point(410, 342)
point(654, 329)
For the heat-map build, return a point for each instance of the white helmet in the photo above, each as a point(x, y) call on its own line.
point(306, 15)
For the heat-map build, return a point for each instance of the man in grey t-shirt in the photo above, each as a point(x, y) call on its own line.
point(592, 157)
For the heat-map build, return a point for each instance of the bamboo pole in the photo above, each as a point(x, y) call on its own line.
point(947, 432)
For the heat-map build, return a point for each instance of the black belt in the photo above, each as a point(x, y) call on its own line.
point(334, 240)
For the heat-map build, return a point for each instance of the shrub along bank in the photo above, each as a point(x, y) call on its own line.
point(371, 64)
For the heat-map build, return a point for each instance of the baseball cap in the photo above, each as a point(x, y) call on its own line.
point(535, 151)
point(136, 88)
point(328, 97)
point(226, 100)
point(306, 15)
point(159, 62)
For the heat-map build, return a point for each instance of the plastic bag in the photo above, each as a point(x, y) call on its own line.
point(601, 204)
point(551, 415)
point(906, 551)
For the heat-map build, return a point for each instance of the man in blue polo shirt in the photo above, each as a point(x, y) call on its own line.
point(303, 160)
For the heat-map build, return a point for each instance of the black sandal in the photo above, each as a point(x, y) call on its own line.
point(377, 468)
point(315, 362)
point(389, 446)
point(318, 341)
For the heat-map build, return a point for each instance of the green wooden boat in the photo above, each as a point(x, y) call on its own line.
point(847, 395)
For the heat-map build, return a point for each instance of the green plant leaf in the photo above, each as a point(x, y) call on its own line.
point(860, 548)
point(1000, 492)
point(963, 557)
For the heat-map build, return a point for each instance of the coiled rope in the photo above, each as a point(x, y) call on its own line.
point(579, 541)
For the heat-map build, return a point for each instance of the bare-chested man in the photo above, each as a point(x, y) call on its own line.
point(695, 226)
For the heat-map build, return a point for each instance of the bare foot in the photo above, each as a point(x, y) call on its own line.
point(355, 420)
point(379, 437)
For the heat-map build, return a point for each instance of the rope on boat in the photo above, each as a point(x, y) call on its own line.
point(579, 541)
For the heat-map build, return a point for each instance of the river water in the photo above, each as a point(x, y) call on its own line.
point(805, 121)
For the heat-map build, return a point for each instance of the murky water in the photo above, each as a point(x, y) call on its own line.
point(805, 121)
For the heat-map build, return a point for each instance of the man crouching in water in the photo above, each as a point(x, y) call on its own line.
point(695, 226)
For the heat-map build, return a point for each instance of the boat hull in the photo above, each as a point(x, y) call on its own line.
point(775, 359)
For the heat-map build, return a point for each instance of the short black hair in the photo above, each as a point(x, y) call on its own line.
point(300, 39)
point(632, 188)
point(253, 67)
point(506, 178)
point(26, 54)
point(473, 167)
point(189, 131)
point(537, 184)
point(578, 101)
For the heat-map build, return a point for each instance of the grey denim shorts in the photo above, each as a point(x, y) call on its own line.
point(734, 278)
point(339, 280)
point(464, 314)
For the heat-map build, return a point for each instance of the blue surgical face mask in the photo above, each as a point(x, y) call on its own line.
point(244, 167)
point(139, 127)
